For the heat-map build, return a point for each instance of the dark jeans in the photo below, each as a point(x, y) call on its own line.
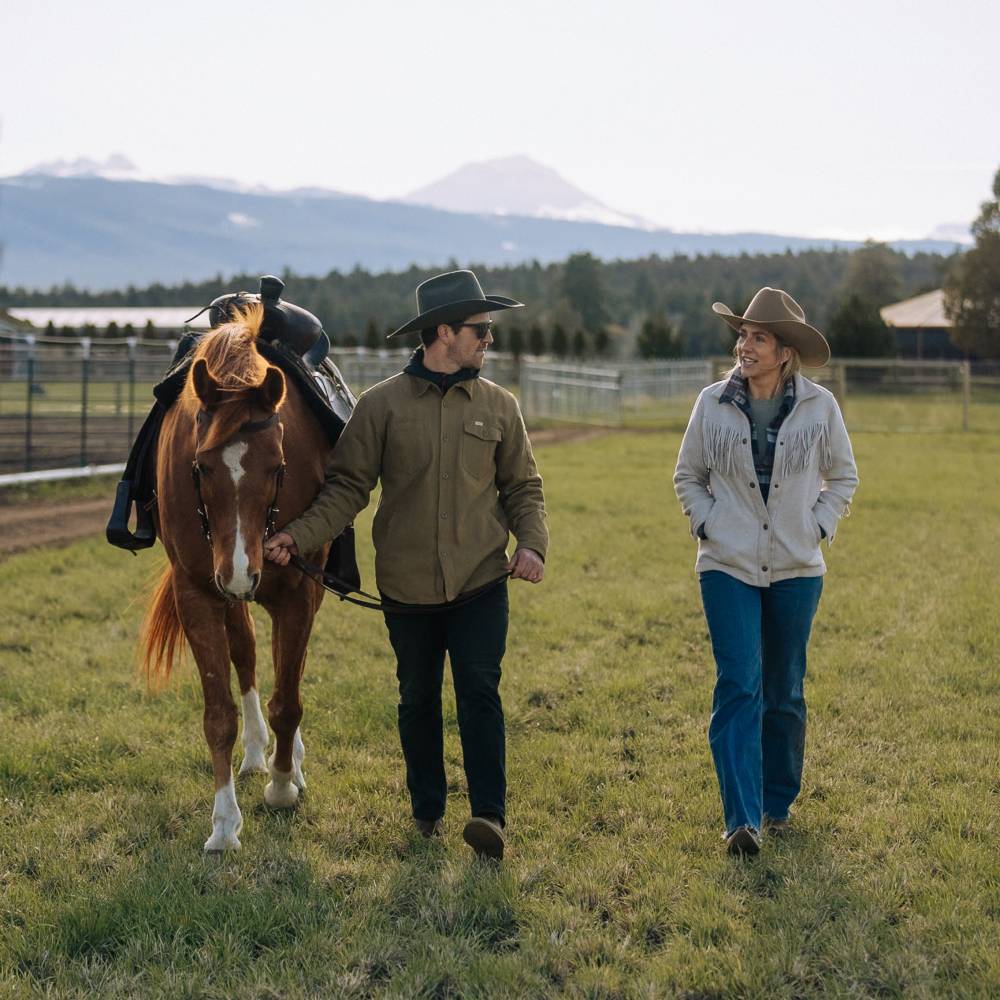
point(475, 637)
point(758, 727)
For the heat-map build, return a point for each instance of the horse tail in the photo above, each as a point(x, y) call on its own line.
point(162, 637)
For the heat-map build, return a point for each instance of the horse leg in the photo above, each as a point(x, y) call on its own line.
point(292, 623)
point(243, 652)
point(203, 619)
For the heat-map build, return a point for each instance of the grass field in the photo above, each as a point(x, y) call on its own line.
point(615, 885)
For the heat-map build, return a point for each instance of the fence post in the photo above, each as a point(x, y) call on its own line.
point(525, 390)
point(132, 344)
point(966, 392)
point(84, 395)
point(30, 372)
point(842, 385)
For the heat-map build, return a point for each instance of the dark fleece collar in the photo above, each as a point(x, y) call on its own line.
point(415, 366)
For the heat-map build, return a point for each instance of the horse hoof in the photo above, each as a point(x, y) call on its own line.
point(218, 844)
point(253, 764)
point(281, 795)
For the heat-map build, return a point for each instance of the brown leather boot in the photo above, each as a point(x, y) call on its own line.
point(429, 827)
point(485, 836)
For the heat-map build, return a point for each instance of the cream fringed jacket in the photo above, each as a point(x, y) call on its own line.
point(812, 482)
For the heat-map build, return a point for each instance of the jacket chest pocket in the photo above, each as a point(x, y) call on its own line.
point(479, 445)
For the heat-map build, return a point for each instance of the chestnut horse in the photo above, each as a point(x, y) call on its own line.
point(221, 456)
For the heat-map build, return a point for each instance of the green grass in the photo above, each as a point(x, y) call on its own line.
point(84, 488)
point(616, 885)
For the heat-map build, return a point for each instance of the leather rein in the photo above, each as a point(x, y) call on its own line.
point(330, 583)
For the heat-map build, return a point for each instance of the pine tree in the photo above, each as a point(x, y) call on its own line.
point(856, 330)
point(972, 289)
point(515, 341)
point(657, 338)
point(372, 338)
point(583, 288)
point(579, 344)
point(536, 341)
point(560, 342)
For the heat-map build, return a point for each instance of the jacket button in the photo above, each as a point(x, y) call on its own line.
point(764, 568)
point(753, 486)
point(775, 486)
point(445, 437)
point(744, 440)
point(444, 475)
point(765, 527)
point(444, 515)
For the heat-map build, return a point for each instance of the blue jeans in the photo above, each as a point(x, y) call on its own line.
point(758, 728)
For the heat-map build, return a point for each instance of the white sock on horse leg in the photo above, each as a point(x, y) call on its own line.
point(254, 735)
point(298, 755)
point(281, 792)
point(227, 820)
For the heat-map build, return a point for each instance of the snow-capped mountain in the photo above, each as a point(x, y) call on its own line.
point(518, 185)
point(953, 232)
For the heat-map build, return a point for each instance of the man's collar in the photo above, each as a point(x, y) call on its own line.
point(424, 378)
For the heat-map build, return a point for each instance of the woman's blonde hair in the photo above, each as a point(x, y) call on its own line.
point(791, 364)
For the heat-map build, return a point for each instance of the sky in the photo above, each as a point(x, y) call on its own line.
point(840, 119)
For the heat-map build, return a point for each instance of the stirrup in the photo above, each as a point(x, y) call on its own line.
point(117, 531)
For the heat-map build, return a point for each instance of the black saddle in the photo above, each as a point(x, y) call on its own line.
point(292, 339)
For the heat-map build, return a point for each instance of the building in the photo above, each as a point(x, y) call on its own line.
point(922, 327)
point(170, 320)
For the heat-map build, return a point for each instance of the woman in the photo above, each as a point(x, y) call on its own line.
point(765, 472)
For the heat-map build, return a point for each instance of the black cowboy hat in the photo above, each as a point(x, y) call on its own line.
point(447, 298)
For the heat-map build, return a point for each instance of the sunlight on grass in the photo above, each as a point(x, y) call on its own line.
point(616, 885)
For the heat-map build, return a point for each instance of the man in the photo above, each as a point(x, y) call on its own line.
point(457, 471)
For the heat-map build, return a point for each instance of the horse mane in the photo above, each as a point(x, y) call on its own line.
point(230, 351)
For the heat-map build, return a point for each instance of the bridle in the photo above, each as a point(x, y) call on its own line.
point(270, 525)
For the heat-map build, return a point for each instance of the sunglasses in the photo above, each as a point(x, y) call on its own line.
point(482, 329)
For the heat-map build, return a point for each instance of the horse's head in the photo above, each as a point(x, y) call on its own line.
point(238, 468)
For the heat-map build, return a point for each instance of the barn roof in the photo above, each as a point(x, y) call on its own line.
point(923, 311)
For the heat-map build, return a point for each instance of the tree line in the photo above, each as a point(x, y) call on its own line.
point(584, 307)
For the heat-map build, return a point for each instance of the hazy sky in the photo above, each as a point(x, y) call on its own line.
point(838, 118)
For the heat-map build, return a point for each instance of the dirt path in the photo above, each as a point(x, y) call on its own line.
point(27, 526)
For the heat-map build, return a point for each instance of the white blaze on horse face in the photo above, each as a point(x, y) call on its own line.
point(227, 820)
point(254, 735)
point(239, 582)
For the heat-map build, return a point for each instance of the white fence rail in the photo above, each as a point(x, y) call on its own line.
point(76, 404)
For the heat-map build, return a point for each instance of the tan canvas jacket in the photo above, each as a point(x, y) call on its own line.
point(457, 474)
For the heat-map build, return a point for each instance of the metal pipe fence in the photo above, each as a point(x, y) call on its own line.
point(77, 403)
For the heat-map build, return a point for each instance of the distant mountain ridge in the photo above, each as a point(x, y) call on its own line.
point(98, 232)
point(517, 185)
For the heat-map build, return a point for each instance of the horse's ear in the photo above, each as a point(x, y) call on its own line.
point(205, 387)
point(271, 391)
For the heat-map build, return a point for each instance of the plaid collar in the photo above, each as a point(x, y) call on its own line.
point(736, 393)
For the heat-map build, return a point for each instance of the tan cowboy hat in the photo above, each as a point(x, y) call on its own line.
point(778, 313)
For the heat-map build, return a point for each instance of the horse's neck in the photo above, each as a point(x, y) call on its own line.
point(305, 443)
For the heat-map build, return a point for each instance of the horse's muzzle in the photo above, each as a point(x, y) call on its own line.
point(234, 595)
